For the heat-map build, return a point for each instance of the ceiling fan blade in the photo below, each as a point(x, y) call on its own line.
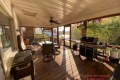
point(51, 18)
point(56, 22)
point(53, 21)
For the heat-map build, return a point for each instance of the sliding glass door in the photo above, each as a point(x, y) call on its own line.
point(67, 36)
point(61, 35)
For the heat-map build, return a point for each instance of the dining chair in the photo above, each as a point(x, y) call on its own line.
point(47, 51)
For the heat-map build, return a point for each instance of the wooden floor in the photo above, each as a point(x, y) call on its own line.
point(69, 66)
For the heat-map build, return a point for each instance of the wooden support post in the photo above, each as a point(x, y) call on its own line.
point(52, 40)
point(64, 35)
point(43, 34)
point(84, 29)
point(70, 35)
point(58, 36)
point(52, 34)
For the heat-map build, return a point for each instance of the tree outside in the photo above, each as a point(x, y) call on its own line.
point(107, 30)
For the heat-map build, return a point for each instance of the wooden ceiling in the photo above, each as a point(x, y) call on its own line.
point(37, 13)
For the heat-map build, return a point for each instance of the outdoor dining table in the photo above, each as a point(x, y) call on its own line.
point(55, 45)
point(48, 49)
point(46, 42)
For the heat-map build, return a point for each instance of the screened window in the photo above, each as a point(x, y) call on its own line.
point(5, 36)
point(38, 33)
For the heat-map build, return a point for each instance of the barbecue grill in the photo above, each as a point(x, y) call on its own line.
point(88, 47)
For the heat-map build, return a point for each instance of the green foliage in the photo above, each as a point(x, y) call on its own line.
point(107, 30)
point(77, 34)
point(38, 36)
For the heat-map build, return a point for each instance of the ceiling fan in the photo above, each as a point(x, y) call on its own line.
point(53, 21)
